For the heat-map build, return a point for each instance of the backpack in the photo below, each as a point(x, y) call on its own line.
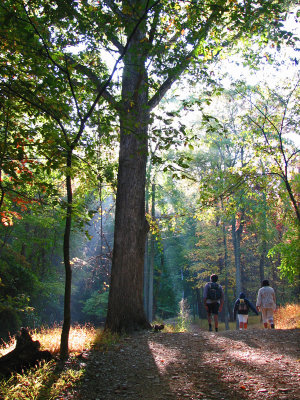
point(214, 291)
point(243, 307)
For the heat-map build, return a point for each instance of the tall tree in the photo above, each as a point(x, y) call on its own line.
point(159, 40)
point(172, 36)
point(273, 117)
point(274, 123)
point(36, 73)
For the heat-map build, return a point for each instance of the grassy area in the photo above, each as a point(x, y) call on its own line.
point(49, 380)
point(253, 323)
point(44, 382)
point(80, 339)
point(288, 317)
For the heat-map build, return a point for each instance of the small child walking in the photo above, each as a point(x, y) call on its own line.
point(241, 307)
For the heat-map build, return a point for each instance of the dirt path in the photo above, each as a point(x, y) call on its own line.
point(253, 364)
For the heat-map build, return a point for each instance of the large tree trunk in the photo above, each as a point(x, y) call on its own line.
point(125, 306)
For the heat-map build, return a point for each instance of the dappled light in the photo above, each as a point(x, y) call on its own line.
point(196, 364)
point(159, 352)
point(203, 364)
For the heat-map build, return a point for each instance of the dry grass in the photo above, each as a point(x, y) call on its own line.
point(287, 317)
point(50, 380)
point(43, 382)
point(81, 338)
point(47, 382)
point(8, 346)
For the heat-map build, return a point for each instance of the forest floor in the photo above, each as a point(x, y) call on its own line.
point(253, 364)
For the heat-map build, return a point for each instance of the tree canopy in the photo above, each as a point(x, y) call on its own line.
point(78, 77)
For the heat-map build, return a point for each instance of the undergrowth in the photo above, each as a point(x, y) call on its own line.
point(287, 317)
point(49, 380)
point(46, 381)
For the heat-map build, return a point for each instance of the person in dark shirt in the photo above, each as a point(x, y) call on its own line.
point(241, 308)
point(213, 304)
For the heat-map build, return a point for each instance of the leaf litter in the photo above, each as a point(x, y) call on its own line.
point(231, 365)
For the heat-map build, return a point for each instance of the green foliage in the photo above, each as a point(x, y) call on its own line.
point(50, 92)
point(96, 305)
point(18, 284)
point(289, 254)
point(47, 380)
point(165, 297)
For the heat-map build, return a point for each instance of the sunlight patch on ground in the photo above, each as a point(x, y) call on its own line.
point(249, 367)
point(160, 356)
point(172, 364)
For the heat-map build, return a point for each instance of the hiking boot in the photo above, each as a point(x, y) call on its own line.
point(210, 329)
point(216, 329)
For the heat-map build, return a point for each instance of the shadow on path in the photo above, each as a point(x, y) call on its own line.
point(126, 371)
point(280, 341)
point(200, 365)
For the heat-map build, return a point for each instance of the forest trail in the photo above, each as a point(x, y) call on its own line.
point(252, 364)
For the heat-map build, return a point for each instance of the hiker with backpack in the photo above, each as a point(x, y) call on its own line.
point(241, 308)
point(266, 303)
point(213, 297)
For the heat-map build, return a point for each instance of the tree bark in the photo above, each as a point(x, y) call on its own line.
point(125, 306)
point(151, 264)
point(292, 198)
point(226, 303)
point(237, 257)
point(64, 344)
point(236, 238)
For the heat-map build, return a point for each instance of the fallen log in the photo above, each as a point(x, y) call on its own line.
point(26, 354)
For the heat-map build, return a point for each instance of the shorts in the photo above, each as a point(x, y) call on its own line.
point(213, 308)
point(267, 315)
point(243, 318)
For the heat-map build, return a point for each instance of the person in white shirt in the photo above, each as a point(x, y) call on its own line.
point(266, 303)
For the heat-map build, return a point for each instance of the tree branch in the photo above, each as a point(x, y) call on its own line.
point(179, 68)
point(101, 86)
point(114, 8)
point(45, 46)
point(115, 42)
